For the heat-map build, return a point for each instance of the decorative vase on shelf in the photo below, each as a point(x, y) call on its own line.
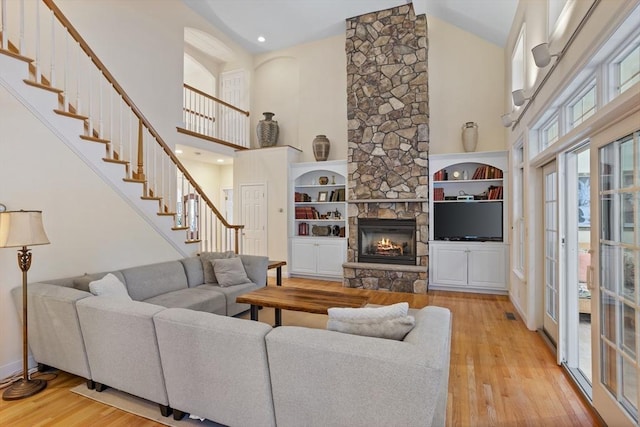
point(321, 146)
point(469, 136)
point(267, 131)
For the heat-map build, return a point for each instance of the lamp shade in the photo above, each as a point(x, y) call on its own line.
point(506, 120)
point(518, 97)
point(22, 228)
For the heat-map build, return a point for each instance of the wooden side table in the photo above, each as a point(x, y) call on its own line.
point(278, 266)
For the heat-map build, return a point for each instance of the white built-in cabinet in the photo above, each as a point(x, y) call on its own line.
point(458, 184)
point(318, 219)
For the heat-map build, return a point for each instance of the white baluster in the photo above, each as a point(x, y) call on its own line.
point(89, 96)
point(111, 116)
point(100, 109)
point(37, 60)
point(53, 50)
point(78, 52)
point(3, 25)
point(65, 80)
point(21, 41)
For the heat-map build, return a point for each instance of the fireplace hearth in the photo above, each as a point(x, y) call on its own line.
point(387, 241)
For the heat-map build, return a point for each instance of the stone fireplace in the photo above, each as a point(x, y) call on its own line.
point(388, 131)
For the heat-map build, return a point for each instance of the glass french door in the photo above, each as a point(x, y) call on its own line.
point(551, 276)
point(616, 339)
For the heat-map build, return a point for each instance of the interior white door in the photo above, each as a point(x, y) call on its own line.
point(254, 219)
point(550, 274)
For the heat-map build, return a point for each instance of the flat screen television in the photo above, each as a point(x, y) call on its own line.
point(472, 221)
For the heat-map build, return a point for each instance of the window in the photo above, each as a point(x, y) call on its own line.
point(628, 69)
point(517, 63)
point(584, 106)
point(554, 10)
point(550, 133)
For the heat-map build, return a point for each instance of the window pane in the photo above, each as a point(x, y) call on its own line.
point(608, 314)
point(583, 108)
point(629, 384)
point(629, 69)
point(628, 328)
point(630, 261)
point(550, 133)
point(626, 160)
point(627, 225)
point(609, 368)
point(608, 267)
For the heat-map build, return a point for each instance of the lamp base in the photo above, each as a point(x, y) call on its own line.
point(23, 388)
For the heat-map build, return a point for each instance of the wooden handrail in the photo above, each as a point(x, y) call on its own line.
point(103, 69)
point(213, 98)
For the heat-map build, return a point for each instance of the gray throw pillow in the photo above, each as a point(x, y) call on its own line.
point(207, 267)
point(230, 272)
point(110, 286)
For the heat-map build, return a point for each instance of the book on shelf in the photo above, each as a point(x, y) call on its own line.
point(302, 197)
point(487, 172)
point(438, 194)
point(306, 212)
point(439, 176)
point(494, 192)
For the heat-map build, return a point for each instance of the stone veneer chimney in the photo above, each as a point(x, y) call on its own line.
point(388, 131)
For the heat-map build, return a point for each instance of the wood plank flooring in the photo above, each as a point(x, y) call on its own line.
point(501, 373)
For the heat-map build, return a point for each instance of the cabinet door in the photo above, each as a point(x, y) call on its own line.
point(330, 257)
point(303, 256)
point(487, 268)
point(449, 266)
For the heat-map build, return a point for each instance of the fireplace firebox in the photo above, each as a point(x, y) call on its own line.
point(387, 241)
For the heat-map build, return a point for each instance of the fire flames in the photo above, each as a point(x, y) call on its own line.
point(384, 246)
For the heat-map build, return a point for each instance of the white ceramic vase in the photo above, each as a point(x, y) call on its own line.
point(469, 136)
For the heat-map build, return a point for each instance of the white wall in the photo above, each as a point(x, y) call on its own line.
point(305, 86)
point(466, 84)
point(90, 227)
point(142, 45)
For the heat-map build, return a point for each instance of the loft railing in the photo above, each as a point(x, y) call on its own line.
point(207, 115)
point(62, 62)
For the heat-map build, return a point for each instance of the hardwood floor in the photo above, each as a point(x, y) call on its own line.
point(501, 373)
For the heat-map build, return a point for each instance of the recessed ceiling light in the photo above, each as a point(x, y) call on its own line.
point(178, 151)
point(220, 160)
point(261, 39)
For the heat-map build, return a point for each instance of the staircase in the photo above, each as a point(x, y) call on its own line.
point(51, 70)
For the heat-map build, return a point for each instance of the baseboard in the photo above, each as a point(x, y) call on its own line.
point(15, 367)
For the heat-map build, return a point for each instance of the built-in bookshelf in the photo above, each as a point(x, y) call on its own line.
point(467, 217)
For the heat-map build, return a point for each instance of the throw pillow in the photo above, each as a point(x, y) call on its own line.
point(395, 329)
point(369, 314)
point(110, 286)
point(82, 283)
point(390, 321)
point(207, 267)
point(230, 272)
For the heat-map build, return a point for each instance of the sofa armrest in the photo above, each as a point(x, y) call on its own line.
point(55, 337)
point(256, 268)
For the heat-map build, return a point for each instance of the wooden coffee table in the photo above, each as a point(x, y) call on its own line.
point(298, 299)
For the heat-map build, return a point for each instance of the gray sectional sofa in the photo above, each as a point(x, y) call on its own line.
point(55, 335)
point(239, 372)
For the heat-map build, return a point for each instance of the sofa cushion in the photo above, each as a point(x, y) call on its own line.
point(148, 281)
point(231, 293)
point(109, 286)
point(207, 268)
point(82, 282)
point(193, 270)
point(229, 272)
point(192, 298)
point(389, 322)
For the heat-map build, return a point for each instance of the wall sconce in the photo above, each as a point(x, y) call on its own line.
point(519, 96)
point(542, 56)
point(507, 120)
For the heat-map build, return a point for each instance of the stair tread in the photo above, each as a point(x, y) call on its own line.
point(16, 55)
point(166, 213)
point(151, 198)
point(120, 162)
point(95, 139)
point(69, 114)
point(140, 181)
point(179, 228)
point(193, 241)
point(42, 86)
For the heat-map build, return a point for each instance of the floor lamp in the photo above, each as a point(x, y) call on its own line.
point(22, 229)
